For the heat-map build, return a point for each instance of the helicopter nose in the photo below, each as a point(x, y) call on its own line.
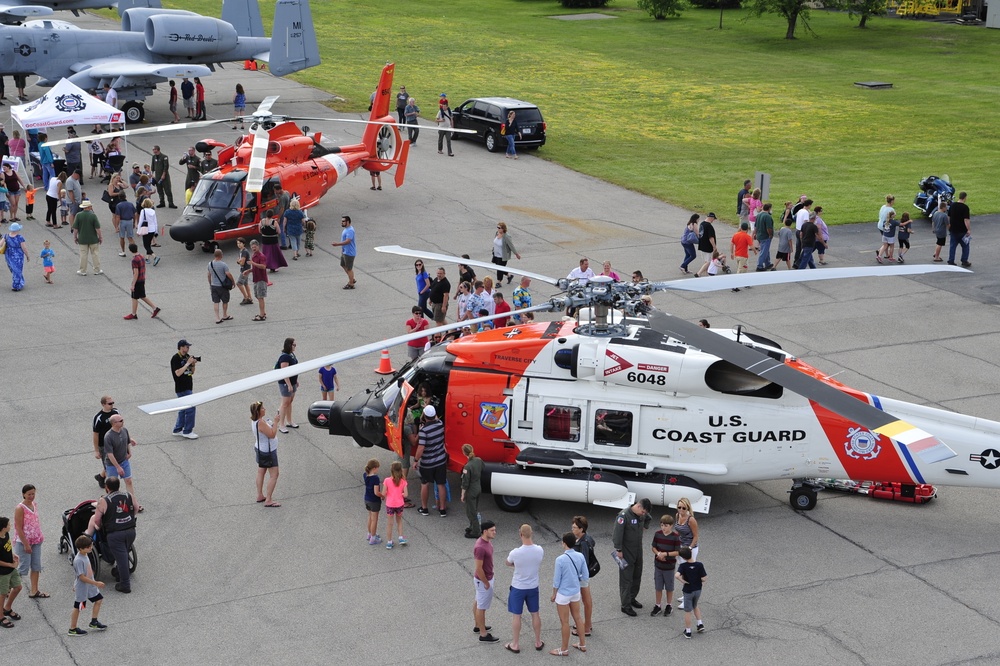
point(192, 229)
point(327, 415)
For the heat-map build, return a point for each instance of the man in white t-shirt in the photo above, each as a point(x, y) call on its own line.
point(583, 273)
point(526, 560)
point(801, 217)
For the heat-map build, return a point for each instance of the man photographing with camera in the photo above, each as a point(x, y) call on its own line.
point(182, 366)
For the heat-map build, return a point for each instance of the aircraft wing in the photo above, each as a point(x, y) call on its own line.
point(106, 68)
point(21, 10)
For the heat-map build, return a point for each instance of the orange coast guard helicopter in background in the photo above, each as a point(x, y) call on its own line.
point(228, 202)
point(647, 404)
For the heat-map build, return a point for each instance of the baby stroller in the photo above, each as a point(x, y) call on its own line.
point(933, 191)
point(112, 164)
point(75, 522)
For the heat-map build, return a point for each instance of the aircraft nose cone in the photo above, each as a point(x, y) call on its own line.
point(192, 229)
point(327, 415)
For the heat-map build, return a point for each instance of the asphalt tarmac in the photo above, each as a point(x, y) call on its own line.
point(222, 580)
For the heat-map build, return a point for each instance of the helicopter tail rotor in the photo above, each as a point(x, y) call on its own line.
point(382, 138)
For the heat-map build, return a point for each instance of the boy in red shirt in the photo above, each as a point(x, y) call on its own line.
point(740, 247)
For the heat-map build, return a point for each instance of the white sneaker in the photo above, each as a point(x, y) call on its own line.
point(189, 435)
point(81, 273)
point(121, 254)
point(98, 272)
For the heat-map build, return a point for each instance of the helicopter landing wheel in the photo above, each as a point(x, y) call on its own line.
point(209, 246)
point(802, 498)
point(511, 503)
point(134, 112)
point(189, 246)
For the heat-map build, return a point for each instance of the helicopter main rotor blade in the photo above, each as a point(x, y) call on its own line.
point(378, 122)
point(917, 441)
point(140, 130)
point(265, 378)
point(723, 282)
point(258, 159)
point(417, 254)
point(264, 108)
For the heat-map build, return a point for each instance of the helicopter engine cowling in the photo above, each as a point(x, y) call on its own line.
point(170, 35)
point(134, 19)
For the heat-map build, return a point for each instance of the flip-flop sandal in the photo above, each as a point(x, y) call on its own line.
point(272, 505)
point(576, 634)
point(408, 504)
point(559, 653)
point(262, 499)
point(508, 647)
point(540, 647)
point(39, 595)
point(581, 648)
point(259, 318)
point(219, 322)
point(140, 509)
point(229, 318)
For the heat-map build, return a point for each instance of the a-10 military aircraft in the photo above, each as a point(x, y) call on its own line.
point(13, 12)
point(155, 45)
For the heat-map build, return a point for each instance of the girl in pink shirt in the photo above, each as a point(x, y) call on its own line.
point(394, 491)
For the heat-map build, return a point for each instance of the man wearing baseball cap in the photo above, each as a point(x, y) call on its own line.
point(182, 366)
point(432, 459)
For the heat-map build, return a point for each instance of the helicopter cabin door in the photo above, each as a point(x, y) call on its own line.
point(613, 428)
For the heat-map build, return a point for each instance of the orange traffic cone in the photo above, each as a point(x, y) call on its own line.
point(384, 364)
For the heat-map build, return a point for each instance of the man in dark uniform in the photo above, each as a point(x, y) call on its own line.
point(161, 173)
point(102, 424)
point(627, 539)
point(209, 163)
point(193, 171)
point(471, 490)
point(115, 516)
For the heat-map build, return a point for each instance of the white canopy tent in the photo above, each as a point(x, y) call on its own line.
point(63, 105)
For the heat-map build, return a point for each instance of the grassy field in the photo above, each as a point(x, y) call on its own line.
point(682, 111)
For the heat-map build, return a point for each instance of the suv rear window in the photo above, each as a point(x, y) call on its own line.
point(528, 115)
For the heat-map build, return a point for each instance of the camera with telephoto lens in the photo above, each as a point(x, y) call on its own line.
point(197, 358)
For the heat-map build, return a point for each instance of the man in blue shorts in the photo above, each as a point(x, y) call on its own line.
point(526, 560)
point(117, 454)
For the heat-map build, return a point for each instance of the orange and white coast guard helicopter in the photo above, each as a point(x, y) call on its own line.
point(228, 202)
point(603, 412)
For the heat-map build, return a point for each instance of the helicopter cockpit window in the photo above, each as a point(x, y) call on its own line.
point(215, 193)
point(613, 427)
point(562, 424)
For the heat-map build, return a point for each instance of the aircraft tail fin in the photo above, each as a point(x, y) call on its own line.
point(131, 4)
point(382, 138)
point(293, 39)
point(244, 16)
